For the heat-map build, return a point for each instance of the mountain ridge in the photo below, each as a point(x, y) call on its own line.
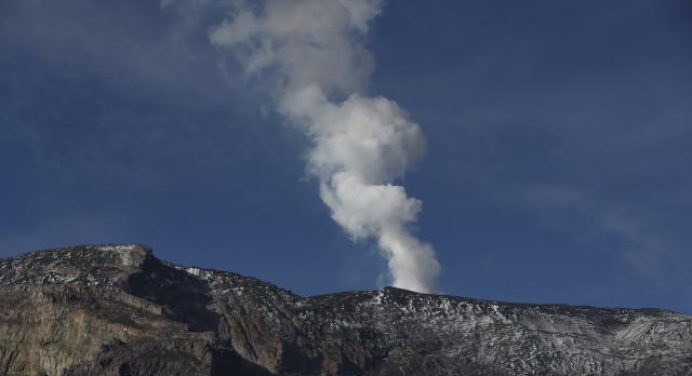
point(118, 310)
point(149, 250)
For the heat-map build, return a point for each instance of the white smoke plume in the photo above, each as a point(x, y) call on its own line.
point(311, 52)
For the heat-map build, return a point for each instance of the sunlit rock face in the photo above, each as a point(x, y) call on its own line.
point(118, 310)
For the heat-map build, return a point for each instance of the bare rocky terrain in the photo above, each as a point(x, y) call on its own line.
point(118, 310)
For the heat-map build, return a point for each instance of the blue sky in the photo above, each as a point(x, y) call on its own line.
point(557, 170)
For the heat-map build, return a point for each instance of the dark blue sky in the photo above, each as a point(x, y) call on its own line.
point(558, 168)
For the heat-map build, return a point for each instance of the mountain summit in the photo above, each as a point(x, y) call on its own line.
point(118, 310)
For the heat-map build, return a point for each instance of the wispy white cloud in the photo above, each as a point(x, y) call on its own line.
point(643, 244)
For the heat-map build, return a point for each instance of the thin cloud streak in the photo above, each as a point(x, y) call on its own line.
point(642, 245)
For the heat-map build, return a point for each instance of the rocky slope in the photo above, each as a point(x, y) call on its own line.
point(118, 310)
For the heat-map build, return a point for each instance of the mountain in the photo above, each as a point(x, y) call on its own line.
point(118, 310)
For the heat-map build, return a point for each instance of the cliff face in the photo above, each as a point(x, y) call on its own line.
point(117, 310)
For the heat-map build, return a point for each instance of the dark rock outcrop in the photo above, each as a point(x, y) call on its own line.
point(118, 310)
